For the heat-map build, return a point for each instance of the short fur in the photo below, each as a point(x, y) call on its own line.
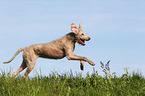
point(57, 49)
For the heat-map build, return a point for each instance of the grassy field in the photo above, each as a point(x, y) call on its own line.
point(69, 85)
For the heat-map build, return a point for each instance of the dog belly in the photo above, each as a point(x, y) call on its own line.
point(51, 54)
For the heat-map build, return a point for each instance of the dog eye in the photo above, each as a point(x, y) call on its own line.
point(82, 34)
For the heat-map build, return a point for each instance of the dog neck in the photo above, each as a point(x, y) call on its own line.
point(72, 37)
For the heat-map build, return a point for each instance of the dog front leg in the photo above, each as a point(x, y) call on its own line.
point(82, 65)
point(75, 57)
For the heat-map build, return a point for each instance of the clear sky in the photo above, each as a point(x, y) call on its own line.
point(116, 28)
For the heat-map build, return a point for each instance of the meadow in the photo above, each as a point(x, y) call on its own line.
point(67, 84)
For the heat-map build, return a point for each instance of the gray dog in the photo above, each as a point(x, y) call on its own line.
point(56, 49)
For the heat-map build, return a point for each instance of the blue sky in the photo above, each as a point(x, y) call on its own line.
point(116, 28)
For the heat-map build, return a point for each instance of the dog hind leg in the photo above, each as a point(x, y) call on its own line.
point(22, 67)
point(30, 66)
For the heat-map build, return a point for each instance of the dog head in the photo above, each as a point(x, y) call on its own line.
point(81, 37)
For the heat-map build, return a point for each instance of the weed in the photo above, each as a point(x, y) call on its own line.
point(74, 84)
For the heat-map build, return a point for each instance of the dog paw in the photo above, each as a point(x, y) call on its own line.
point(92, 63)
point(82, 65)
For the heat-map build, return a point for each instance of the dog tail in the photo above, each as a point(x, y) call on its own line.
point(21, 49)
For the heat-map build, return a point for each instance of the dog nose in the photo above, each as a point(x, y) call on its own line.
point(89, 38)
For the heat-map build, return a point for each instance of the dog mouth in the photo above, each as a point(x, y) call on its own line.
point(82, 42)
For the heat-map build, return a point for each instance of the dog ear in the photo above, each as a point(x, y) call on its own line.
point(80, 27)
point(74, 28)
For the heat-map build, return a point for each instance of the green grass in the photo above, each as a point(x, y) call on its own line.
point(69, 85)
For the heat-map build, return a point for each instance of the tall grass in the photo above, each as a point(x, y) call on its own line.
point(67, 84)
